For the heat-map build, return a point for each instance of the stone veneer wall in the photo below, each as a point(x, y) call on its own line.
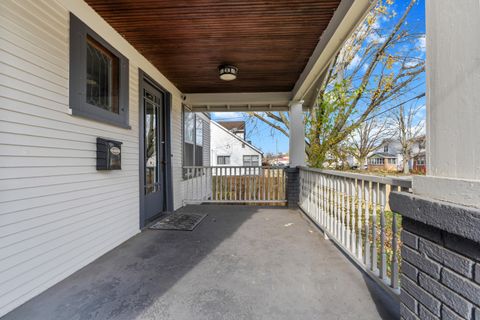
point(440, 272)
point(292, 186)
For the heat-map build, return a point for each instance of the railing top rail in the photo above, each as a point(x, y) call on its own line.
point(227, 166)
point(404, 182)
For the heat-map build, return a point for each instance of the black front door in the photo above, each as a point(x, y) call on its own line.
point(153, 151)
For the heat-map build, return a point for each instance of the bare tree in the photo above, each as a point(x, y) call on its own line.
point(366, 138)
point(371, 69)
point(408, 125)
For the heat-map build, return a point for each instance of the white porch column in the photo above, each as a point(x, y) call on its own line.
point(453, 103)
point(297, 134)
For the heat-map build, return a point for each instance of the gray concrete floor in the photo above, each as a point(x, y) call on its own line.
point(240, 263)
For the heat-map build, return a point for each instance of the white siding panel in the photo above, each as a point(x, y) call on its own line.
point(177, 152)
point(57, 212)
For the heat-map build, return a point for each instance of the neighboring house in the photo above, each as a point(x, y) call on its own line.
point(420, 163)
point(228, 148)
point(388, 155)
point(383, 161)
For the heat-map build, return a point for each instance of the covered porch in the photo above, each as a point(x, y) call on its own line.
point(74, 246)
point(241, 262)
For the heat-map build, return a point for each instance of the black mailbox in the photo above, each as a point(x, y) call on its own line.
point(109, 154)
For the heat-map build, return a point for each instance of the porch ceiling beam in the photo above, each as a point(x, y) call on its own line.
point(247, 102)
point(346, 18)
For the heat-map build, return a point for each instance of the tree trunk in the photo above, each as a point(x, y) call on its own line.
point(361, 164)
point(406, 169)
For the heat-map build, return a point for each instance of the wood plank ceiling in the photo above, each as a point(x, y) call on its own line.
point(269, 41)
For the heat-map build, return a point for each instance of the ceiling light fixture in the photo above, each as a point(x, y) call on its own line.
point(228, 72)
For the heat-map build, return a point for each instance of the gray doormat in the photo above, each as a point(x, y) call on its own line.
point(179, 221)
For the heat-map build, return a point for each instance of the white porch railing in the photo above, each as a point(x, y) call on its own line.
point(233, 184)
point(352, 210)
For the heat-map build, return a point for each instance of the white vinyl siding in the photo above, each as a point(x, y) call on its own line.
point(57, 212)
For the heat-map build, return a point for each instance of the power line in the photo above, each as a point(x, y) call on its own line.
point(396, 106)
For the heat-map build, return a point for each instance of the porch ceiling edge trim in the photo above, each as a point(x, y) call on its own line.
point(344, 21)
point(245, 101)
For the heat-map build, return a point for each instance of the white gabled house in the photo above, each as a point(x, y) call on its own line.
point(389, 155)
point(228, 148)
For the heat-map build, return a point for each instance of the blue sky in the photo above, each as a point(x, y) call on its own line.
point(270, 140)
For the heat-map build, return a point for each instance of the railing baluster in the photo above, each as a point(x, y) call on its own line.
point(259, 183)
point(342, 210)
point(347, 200)
point(210, 183)
point(394, 281)
point(186, 191)
point(353, 243)
point(383, 258)
point(339, 208)
point(269, 189)
point(230, 183)
point(196, 184)
point(309, 186)
point(249, 185)
point(235, 182)
point(244, 184)
point(324, 204)
point(191, 180)
point(330, 200)
point(367, 224)
point(334, 207)
point(374, 227)
point(359, 220)
point(316, 180)
point(254, 185)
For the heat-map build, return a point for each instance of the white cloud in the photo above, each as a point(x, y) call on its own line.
point(422, 43)
point(355, 61)
point(411, 63)
point(375, 37)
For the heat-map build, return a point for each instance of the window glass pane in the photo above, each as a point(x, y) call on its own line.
point(198, 156)
point(189, 127)
point(223, 160)
point(102, 77)
point(188, 154)
point(199, 132)
point(151, 174)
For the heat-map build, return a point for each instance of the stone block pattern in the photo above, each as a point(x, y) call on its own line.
point(292, 187)
point(440, 274)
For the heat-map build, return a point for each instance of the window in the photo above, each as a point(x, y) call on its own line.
point(193, 131)
point(223, 159)
point(377, 161)
point(250, 161)
point(98, 77)
point(392, 161)
point(385, 148)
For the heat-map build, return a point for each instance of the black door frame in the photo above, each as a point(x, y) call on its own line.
point(167, 148)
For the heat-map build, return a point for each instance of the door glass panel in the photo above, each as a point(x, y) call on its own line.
point(151, 145)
